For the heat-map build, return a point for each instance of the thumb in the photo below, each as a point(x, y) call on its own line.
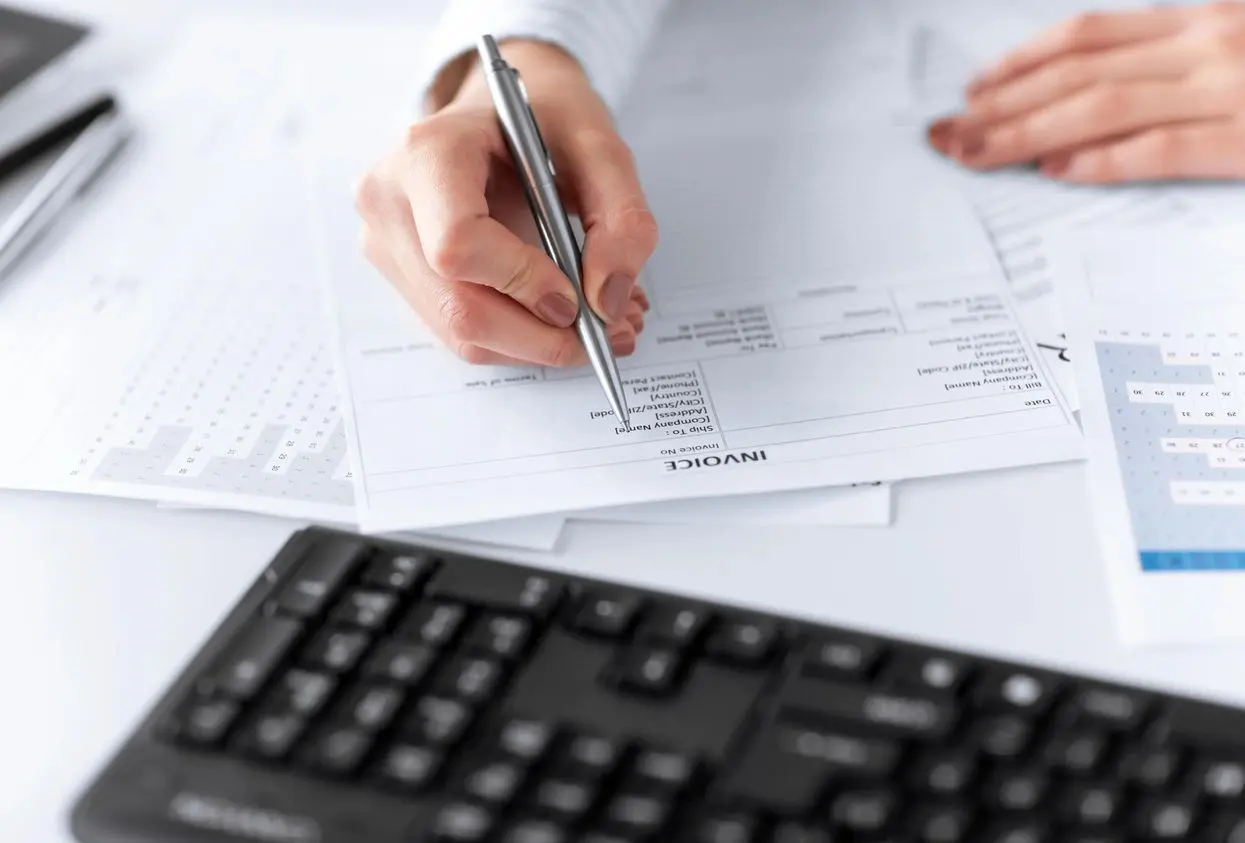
point(620, 232)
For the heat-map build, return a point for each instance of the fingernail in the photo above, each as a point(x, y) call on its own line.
point(941, 133)
point(624, 345)
point(1056, 166)
point(970, 143)
point(614, 296)
point(976, 86)
point(557, 309)
point(643, 298)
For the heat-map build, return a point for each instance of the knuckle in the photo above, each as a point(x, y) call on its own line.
point(449, 254)
point(1160, 150)
point(520, 277)
point(1065, 74)
point(459, 320)
point(419, 135)
point(1081, 29)
point(369, 195)
point(640, 226)
point(562, 354)
point(1108, 101)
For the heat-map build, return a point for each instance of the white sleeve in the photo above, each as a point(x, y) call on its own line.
point(607, 37)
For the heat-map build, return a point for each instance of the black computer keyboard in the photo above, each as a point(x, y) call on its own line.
point(368, 692)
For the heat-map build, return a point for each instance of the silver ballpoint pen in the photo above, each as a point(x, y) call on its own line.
point(535, 169)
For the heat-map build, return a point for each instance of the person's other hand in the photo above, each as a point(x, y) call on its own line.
point(445, 220)
point(1113, 97)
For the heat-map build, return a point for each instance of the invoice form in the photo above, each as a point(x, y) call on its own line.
point(825, 311)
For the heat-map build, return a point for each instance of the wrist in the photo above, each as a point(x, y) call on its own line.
point(540, 64)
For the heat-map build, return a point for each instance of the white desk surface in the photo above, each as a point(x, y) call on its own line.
point(106, 599)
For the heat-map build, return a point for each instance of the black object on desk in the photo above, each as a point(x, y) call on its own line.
point(29, 43)
point(389, 693)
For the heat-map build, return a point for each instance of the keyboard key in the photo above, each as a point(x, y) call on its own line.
point(339, 751)
point(471, 680)
point(1017, 789)
point(1077, 752)
point(1090, 805)
point(499, 636)
point(368, 610)
point(944, 773)
point(412, 769)
point(1109, 707)
point(434, 624)
point(933, 673)
point(670, 771)
point(317, 579)
point(437, 722)
point(1218, 779)
point(785, 768)
point(271, 737)
point(841, 656)
point(526, 740)
point(728, 828)
point(799, 833)
point(942, 823)
point(636, 816)
point(495, 783)
point(535, 831)
point(373, 708)
point(606, 617)
point(645, 670)
point(462, 822)
point(591, 757)
point(902, 712)
point(250, 658)
point(1016, 831)
point(206, 723)
point(567, 800)
point(403, 574)
point(1019, 691)
point(1002, 737)
point(401, 663)
point(1150, 768)
point(305, 693)
point(337, 652)
point(744, 643)
point(499, 586)
point(863, 811)
point(1163, 819)
point(674, 626)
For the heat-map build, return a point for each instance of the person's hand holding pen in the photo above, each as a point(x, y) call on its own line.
point(445, 220)
point(1114, 97)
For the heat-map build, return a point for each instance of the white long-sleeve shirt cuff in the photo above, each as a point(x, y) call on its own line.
point(607, 37)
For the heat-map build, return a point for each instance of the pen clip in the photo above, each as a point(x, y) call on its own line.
point(531, 116)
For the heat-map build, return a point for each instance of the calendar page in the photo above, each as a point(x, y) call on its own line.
point(1159, 324)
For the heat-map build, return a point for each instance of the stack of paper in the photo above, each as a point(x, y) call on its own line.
point(835, 307)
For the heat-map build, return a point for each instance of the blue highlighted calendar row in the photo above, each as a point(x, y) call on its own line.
point(1192, 560)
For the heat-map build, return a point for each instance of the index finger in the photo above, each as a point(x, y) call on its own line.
point(445, 180)
point(1084, 33)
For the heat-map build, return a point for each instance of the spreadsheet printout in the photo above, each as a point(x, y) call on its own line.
point(1158, 335)
point(841, 320)
point(196, 371)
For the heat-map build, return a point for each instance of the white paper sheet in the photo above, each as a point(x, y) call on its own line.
point(174, 349)
point(1157, 327)
point(842, 341)
point(1020, 208)
point(847, 506)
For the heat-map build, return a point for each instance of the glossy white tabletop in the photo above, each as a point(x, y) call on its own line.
point(104, 600)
